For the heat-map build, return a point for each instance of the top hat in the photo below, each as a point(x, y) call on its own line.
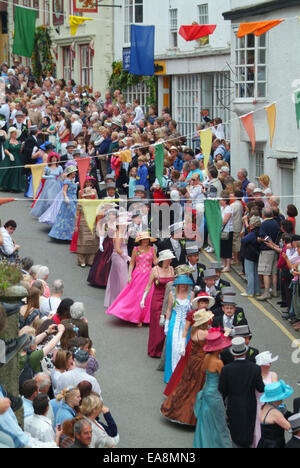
point(229, 300)
point(216, 266)
point(242, 330)
point(71, 144)
point(210, 273)
point(192, 250)
point(140, 188)
point(276, 391)
point(294, 422)
point(216, 341)
point(228, 291)
point(238, 346)
point(111, 185)
point(109, 177)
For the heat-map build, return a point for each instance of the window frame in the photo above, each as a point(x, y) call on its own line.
point(83, 48)
point(68, 66)
point(46, 12)
point(130, 7)
point(242, 83)
point(173, 28)
point(201, 15)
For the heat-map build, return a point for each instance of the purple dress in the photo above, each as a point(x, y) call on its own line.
point(127, 305)
point(118, 275)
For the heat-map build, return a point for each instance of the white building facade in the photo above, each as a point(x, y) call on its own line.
point(195, 76)
point(266, 70)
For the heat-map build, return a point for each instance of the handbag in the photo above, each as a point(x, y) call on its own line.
point(224, 235)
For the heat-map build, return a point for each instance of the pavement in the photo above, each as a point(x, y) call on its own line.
point(131, 385)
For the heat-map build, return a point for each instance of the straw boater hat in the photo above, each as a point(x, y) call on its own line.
point(203, 295)
point(165, 255)
point(216, 341)
point(145, 235)
point(202, 316)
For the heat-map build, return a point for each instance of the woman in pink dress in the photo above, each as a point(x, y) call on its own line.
point(161, 275)
point(127, 305)
point(264, 361)
point(118, 275)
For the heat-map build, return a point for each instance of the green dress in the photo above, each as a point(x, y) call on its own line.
point(12, 179)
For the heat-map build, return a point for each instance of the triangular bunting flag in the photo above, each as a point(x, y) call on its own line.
point(258, 28)
point(75, 21)
point(195, 31)
point(249, 127)
point(6, 200)
point(271, 113)
point(37, 171)
point(90, 208)
point(297, 104)
point(206, 143)
point(83, 165)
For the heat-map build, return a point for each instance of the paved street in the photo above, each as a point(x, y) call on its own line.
point(131, 385)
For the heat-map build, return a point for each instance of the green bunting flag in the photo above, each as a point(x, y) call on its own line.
point(297, 103)
point(159, 163)
point(214, 224)
point(24, 31)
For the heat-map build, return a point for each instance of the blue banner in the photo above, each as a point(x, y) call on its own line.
point(126, 58)
point(142, 50)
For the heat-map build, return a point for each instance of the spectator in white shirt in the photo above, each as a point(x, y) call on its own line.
point(38, 425)
point(51, 304)
point(78, 374)
point(7, 244)
point(76, 126)
point(138, 111)
point(196, 190)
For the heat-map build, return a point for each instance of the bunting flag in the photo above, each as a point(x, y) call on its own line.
point(249, 127)
point(297, 104)
point(214, 224)
point(90, 208)
point(271, 114)
point(258, 28)
point(206, 144)
point(83, 165)
point(142, 50)
point(195, 31)
point(75, 21)
point(37, 171)
point(159, 163)
point(6, 200)
point(126, 156)
point(24, 31)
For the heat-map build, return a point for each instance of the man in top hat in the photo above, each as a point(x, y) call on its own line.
point(238, 384)
point(192, 254)
point(134, 229)
point(30, 152)
point(244, 332)
point(175, 243)
point(226, 291)
point(68, 156)
point(109, 179)
point(295, 430)
point(209, 286)
point(20, 125)
point(140, 191)
point(229, 318)
point(220, 283)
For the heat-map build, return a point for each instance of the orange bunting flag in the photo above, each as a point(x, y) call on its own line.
point(271, 113)
point(249, 127)
point(126, 156)
point(258, 28)
point(83, 165)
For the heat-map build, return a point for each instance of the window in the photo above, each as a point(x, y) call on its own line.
point(46, 12)
point(141, 92)
point(259, 162)
point(250, 68)
point(68, 63)
point(133, 10)
point(173, 28)
point(86, 66)
point(203, 13)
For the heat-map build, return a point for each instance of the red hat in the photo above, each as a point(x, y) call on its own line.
point(216, 341)
point(203, 295)
point(51, 156)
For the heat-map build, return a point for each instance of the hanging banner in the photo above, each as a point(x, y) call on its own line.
point(271, 114)
point(249, 127)
point(206, 144)
point(214, 223)
point(83, 165)
point(90, 6)
point(159, 163)
point(58, 12)
point(24, 25)
point(258, 28)
point(142, 50)
point(37, 171)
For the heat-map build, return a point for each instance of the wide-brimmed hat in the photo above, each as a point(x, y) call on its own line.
point(238, 346)
point(51, 155)
point(145, 235)
point(183, 279)
point(165, 255)
point(203, 295)
point(216, 341)
point(276, 391)
point(14, 129)
point(183, 270)
point(116, 121)
point(70, 170)
point(202, 316)
point(265, 358)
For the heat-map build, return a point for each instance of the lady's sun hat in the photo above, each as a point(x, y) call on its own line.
point(216, 341)
point(70, 170)
point(276, 391)
point(145, 235)
point(183, 279)
point(165, 255)
point(202, 316)
point(265, 359)
point(203, 295)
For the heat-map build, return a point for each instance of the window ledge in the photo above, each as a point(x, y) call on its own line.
point(245, 106)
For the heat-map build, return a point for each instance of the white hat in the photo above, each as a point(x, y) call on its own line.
point(14, 129)
point(165, 255)
point(265, 359)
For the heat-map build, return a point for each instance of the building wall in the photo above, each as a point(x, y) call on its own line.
point(283, 70)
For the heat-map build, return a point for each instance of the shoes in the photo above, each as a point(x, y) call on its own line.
point(246, 295)
point(293, 320)
point(206, 248)
point(285, 316)
point(210, 250)
point(83, 265)
point(275, 294)
point(264, 297)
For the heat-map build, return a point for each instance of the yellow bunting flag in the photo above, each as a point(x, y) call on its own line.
point(75, 21)
point(206, 143)
point(37, 171)
point(271, 113)
point(126, 156)
point(91, 209)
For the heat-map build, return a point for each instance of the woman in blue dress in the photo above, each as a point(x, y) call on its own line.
point(178, 306)
point(52, 185)
point(211, 429)
point(64, 225)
